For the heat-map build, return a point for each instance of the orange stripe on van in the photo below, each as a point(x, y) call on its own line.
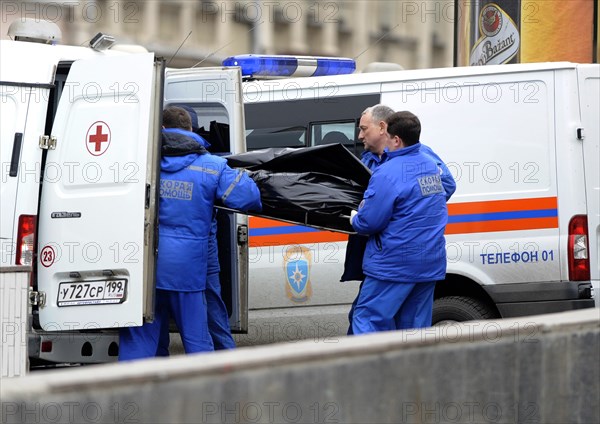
point(463, 218)
point(307, 238)
point(502, 215)
point(269, 232)
point(257, 222)
point(502, 205)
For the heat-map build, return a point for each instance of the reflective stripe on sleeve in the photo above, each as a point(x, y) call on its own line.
point(231, 186)
point(201, 169)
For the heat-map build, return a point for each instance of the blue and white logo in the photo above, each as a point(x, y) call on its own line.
point(297, 275)
point(297, 263)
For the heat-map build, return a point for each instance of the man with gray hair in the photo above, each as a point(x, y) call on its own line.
point(373, 134)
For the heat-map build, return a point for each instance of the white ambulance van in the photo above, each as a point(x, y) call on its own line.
point(80, 133)
point(522, 142)
point(80, 138)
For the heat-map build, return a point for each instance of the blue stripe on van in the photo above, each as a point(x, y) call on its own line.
point(496, 216)
point(270, 231)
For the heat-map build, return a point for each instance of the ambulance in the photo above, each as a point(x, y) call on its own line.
point(80, 131)
point(522, 142)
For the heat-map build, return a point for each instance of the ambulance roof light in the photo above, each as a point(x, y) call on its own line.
point(35, 31)
point(273, 66)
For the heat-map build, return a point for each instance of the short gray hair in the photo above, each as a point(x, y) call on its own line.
point(379, 112)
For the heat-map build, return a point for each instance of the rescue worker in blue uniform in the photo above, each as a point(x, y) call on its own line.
point(191, 181)
point(373, 133)
point(404, 214)
point(218, 316)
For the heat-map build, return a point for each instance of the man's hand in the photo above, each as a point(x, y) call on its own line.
point(352, 215)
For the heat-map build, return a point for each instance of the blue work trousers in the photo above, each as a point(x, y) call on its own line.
point(189, 311)
point(218, 317)
point(384, 306)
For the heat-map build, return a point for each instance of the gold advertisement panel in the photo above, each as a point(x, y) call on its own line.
point(525, 31)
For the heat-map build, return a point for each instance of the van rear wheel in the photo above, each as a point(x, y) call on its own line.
point(450, 309)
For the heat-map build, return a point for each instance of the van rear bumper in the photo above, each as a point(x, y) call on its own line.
point(73, 347)
point(521, 299)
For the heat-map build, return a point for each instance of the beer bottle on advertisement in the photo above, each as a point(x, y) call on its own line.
point(488, 32)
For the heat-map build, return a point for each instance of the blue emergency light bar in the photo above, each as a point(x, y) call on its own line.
point(256, 66)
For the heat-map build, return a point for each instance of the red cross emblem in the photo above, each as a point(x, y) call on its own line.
point(97, 138)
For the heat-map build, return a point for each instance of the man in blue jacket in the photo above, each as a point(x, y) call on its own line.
point(191, 181)
point(218, 317)
point(404, 214)
point(373, 132)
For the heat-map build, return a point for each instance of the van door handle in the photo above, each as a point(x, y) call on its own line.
point(242, 234)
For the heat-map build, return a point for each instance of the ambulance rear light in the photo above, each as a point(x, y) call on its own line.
point(46, 346)
point(577, 249)
point(25, 240)
point(256, 66)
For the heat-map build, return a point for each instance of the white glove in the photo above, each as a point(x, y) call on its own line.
point(352, 215)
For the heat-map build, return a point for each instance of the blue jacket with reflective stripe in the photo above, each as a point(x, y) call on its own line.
point(355, 249)
point(191, 180)
point(372, 161)
point(404, 214)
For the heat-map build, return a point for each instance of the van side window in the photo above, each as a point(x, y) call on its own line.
point(212, 123)
point(331, 133)
point(334, 132)
point(217, 136)
point(264, 138)
point(305, 122)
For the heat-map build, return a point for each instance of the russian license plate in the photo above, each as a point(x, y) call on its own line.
point(78, 293)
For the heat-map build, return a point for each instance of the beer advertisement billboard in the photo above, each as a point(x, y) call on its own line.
point(489, 32)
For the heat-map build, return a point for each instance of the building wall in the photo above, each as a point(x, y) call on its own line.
point(414, 34)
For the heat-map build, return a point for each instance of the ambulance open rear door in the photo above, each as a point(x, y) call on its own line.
point(215, 94)
point(97, 214)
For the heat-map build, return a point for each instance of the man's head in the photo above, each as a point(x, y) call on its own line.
point(176, 117)
point(373, 128)
point(404, 129)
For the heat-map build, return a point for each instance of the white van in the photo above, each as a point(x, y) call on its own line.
point(522, 142)
point(79, 136)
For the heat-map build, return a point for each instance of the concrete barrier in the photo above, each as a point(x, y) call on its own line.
point(542, 369)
